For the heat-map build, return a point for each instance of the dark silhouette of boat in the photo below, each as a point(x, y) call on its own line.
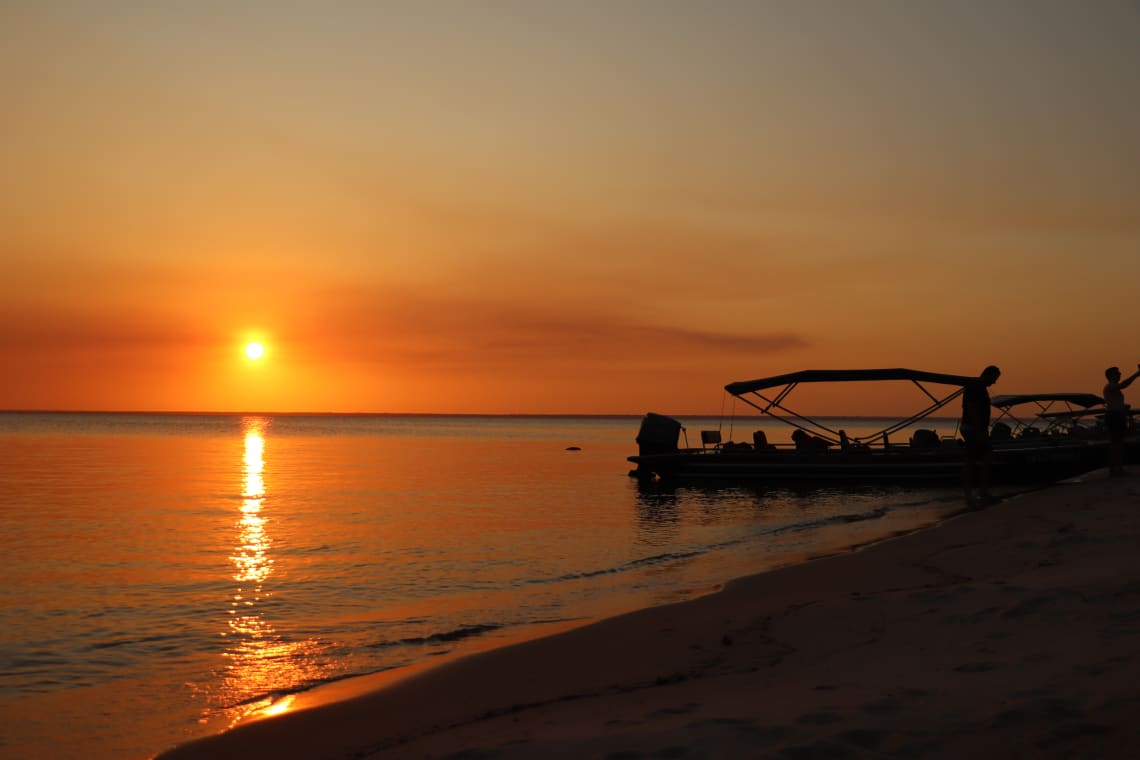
point(1056, 447)
point(1049, 414)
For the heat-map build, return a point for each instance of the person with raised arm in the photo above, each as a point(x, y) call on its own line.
point(1116, 417)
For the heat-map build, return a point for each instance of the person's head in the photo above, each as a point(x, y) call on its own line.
point(1112, 373)
point(990, 375)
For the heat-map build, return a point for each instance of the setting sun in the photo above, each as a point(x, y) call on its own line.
point(254, 350)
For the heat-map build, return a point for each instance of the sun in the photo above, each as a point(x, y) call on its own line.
point(254, 350)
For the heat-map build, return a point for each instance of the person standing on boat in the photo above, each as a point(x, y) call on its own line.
point(1116, 417)
point(975, 429)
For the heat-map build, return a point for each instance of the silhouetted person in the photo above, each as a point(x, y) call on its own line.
point(976, 433)
point(1116, 417)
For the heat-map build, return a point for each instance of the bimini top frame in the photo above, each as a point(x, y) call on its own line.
point(750, 390)
point(1055, 421)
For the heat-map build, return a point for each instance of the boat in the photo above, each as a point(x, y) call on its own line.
point(1082, 415)
point(1080, 419)
point(821, 455)
point(1053, 414)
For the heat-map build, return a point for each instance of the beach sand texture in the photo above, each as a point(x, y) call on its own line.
point(1013, 632)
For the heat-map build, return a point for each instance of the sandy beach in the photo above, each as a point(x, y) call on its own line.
point(1011, 631)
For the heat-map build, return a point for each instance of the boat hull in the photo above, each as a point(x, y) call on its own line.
point(1038, 463)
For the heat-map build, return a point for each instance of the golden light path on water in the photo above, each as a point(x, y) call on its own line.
point(260, 662)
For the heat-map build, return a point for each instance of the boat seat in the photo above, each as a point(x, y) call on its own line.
point(924, 438)
point(805, 441)
point(710, 438)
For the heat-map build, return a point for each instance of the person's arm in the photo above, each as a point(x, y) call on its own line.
point(1125, 383)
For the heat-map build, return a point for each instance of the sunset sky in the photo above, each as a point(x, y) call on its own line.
point(560, 207)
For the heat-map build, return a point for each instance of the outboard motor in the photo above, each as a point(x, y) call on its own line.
point(658, 434)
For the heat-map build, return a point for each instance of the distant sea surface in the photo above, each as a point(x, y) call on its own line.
point(166, 576)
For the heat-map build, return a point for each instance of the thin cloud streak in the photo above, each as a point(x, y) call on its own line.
point(398, 327)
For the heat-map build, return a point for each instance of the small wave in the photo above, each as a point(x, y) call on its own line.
point(31, 661)
point(633, 564)
point(874, 514)
point(840, 519)
point(151, 639)
point(273, 695)
point(657, 559)
point(445, 637)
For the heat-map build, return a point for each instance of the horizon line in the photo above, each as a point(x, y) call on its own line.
point(218, 413)
point(598, 415)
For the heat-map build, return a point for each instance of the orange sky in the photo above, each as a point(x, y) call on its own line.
point(541, 207)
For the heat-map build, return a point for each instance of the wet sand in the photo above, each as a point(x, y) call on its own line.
point(1011, 631)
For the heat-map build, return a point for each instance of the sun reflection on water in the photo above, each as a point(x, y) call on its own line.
point(261, 664)
point(252, 562)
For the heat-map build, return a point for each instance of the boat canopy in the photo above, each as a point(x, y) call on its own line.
point(1076, 399)
point(843, 376)
point(1076, 406)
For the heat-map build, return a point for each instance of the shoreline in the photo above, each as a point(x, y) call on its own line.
point(354, 687)
point(1008, 629)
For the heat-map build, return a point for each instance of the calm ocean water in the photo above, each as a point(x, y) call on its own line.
point(166, 576)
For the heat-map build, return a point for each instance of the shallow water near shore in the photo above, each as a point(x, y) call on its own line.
point(167, 576)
